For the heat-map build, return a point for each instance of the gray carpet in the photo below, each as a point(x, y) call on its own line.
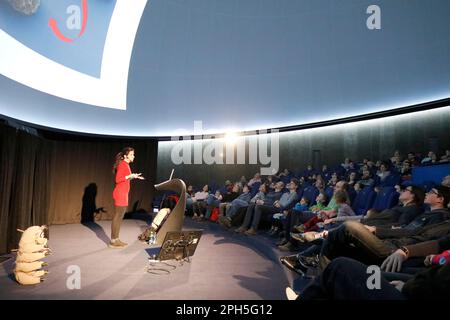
point(225, 266)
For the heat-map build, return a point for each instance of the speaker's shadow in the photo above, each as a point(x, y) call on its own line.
point(98, 230)
point(89, 210)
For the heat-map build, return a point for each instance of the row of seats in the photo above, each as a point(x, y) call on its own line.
point(366, 199)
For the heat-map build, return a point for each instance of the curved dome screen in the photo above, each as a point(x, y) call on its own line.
point(152, 68)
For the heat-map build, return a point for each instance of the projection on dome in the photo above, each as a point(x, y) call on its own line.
point(152, 68)
point(77, 50)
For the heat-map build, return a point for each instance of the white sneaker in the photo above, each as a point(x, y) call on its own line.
point(291, 295)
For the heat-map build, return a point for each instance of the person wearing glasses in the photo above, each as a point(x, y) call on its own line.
point(347, 279)
point(372, 245)
point(411, 205)
point(428, 249)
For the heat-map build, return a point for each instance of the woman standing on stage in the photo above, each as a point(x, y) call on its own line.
point(120, 194)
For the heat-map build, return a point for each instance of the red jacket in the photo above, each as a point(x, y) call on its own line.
point(120, 193)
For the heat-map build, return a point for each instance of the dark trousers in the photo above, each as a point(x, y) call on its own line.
point(352, 239)
point(117, 221)
point(295, 217)
point(346, 279)
point(199, 207)
point(248, 215)
point(257, 212)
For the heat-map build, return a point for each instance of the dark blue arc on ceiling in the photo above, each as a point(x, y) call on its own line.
point(253, 64)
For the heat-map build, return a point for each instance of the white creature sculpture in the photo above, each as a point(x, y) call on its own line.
point(32, 248)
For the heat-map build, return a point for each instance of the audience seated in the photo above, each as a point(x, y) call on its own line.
point(278, 218)
point(411, 200)
point(406, 171)
point(346, 279)
point(411, 157)
point(372, 245)
point(242, 201)
point(189, 199)
point(325, 173)
point(430, 158)
point(199, 202)
point(344, 212)
point(220, 200)
point(403, 237)
point(383, 173)
point(300, 217)
point(366, 179)
point(352, 178)
point(242, 182)
point(274, 202)
point(256, 178)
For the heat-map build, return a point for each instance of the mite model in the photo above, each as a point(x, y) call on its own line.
point(32, 248)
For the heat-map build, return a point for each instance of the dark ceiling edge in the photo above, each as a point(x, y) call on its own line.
point(57, 134)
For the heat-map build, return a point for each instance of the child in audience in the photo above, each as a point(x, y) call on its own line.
point(345, 212)
point(302, 205)
point(321, 200)
point(277, 218)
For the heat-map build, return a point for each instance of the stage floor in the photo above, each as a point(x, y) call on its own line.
point(225, 266)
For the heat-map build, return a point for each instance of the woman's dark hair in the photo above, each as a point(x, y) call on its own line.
point(386, 165)
point(419, 195)
point(444, 192)
point(193, 190)
point(120, 156)
point(266, 187)
point(295, 181)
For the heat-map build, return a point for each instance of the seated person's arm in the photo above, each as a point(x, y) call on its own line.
point(327, 214)
point(432, 283)
point(394, 262)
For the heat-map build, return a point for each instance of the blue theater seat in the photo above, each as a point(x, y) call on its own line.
point(351, 194)
point(386, 198)
point(363, 200)
point(286, 179)
point(223, 190)
point(300, 193)
point(329, 192)
point(427, 185)
point(390, 181)
point(311, 193)
point(213, 186)
point(254, 188)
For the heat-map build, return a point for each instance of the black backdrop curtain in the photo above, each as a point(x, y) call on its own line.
point(57, 178)
point(24, 176)
point(82, 182)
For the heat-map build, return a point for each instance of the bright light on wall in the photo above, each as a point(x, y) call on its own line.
point(231, 138)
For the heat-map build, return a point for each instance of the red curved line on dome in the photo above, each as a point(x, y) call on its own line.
point(54, 26)
point(85, 17)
